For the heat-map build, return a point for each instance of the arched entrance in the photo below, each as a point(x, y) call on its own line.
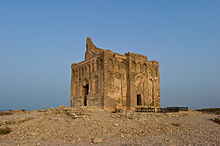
point(85, 93)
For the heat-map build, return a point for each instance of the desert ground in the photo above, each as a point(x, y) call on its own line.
point(94, 126)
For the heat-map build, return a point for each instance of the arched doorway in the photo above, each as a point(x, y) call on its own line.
point(85, 93)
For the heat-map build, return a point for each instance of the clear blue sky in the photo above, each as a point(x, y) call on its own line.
point(40, 39)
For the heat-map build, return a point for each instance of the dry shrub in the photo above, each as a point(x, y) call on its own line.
point(117, 110)
point(5, 113)
point(210, 110)
point(5, 130)
point(216, 120)
point(175, 124)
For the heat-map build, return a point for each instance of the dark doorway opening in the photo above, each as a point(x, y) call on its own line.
point(86, 89)
point(138, 99)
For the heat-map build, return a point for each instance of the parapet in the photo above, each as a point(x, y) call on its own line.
point(136, 56)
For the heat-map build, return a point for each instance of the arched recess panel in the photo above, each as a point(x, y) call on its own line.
point(150, 91)
point(110, 63)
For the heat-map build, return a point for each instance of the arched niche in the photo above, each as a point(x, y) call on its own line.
point(150, 91)
point(144, 68)
point(73, 75)
point(75, 89)
point(101, 64)
point(93, 67)
point(138, 67)
point(139, 88)
point(96, 84)
point(85, 70)
point(97, 65)
point(123, 65)
point(117, 64)
point(133, 66)
point(110, 63)
point(82, 71)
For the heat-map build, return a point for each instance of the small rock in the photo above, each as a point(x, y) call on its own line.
point(115, 124)
point(73, 141)
point(113, 116)
point(97, 140)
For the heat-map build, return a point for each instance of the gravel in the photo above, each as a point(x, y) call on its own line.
point(92, 125)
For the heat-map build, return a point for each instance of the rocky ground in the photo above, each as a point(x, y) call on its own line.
point(91, 125)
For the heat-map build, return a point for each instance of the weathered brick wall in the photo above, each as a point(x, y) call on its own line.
point(115, 81)
point(88, 74)
point(154, 83)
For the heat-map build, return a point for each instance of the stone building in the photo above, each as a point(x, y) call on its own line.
point(113, 81)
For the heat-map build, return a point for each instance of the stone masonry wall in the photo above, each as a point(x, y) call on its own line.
point(114, 81)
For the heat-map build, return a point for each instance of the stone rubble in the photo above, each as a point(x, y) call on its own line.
point(92, 125)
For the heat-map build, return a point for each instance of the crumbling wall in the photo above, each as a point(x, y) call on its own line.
point(153, 83)
point(137, 80)
point(87, 78)
point(115, 84)
point(87, 73)
point(115, 81)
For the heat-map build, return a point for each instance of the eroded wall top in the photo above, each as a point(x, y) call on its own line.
point(91, 49)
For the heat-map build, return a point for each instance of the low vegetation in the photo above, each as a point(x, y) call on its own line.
point(216, 120)
point(210, 110)
point(117, 110)
point(176, 124)
point(5, 113)
point(11, 112)
point(5, 130)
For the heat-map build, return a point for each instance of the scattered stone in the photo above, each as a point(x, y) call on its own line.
point(96, 140)
point(115, 124)
point(82, 126)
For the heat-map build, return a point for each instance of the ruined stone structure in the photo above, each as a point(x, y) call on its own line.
point(114, 81)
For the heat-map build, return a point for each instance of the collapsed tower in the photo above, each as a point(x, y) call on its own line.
point(113, 81)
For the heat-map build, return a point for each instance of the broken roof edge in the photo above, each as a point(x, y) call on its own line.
point(90, 45)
